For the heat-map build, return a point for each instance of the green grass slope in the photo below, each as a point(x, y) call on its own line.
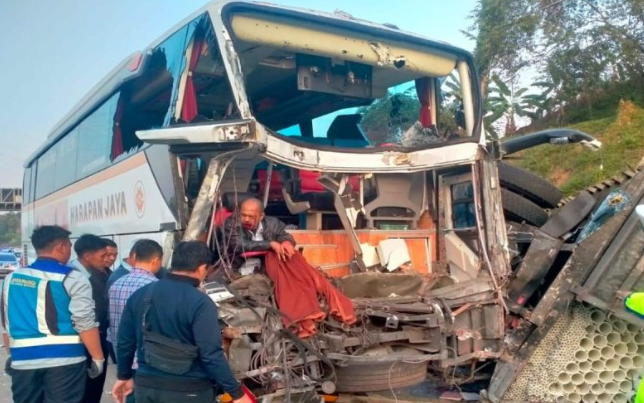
point(575, 167)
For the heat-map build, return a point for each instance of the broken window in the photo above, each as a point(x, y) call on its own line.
point(463, 213)
point(183, 81)
point(349, 90)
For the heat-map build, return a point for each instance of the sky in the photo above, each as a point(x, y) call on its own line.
point(53, 52)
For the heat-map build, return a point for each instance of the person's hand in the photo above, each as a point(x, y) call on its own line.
point(277, 248)
point(122, 389)
point(96, 368)
point(288, 249)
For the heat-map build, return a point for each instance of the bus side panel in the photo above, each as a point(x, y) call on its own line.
point(122, 199)
point(126, 242)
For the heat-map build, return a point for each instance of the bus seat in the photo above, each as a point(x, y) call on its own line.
point(220, 217)
point(275, 188)
point(311, 195)
point(232, 200)
point(398, 191)
point(309, 182)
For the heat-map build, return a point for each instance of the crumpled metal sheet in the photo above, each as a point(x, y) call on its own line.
point(257, 285)
point(241, 317)
point(380, 285)
point(240, 354)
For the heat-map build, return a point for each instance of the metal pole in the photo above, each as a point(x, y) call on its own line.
point(203, 205)
point(466, 90)
point(269, 176)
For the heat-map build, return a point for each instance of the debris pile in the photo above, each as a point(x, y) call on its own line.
point(406, 326)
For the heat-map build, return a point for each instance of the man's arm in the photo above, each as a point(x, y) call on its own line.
point(237, 242)
point(126, 341)
point(92, 341)
point(81, 306)
point(5, 340)
point(205, 328)
point(280, 232)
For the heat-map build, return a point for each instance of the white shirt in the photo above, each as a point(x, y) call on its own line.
point(257, 235)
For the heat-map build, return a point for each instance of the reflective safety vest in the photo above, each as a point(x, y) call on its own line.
point(37, 314)
point(634, 303)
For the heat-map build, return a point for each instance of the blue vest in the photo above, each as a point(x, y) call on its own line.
point(37, 313)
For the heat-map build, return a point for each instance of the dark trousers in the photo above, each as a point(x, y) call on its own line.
point(151, 395)
point(112, 351)
point(94, 387)
point(64, 384)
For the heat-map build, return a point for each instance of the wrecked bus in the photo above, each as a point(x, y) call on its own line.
point(368, 141)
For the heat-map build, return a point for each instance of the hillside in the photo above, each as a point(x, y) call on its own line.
point(575, 167)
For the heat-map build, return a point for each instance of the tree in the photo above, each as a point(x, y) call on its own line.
point(10, 229)
point(504, 31)
point(546, 101)
point(587, 50)
point(506, 102)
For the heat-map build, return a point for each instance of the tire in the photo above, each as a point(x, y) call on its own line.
point(529, 185)
point(377, 377)
point(520, 209)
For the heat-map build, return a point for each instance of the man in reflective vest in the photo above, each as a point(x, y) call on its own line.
point(48, 320)
point(634, 303)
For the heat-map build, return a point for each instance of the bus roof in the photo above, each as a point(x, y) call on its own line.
point(123, 71)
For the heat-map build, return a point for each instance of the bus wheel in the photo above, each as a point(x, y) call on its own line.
point(532, 187)
point(520, 209)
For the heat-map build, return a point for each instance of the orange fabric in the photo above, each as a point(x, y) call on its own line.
point(298, 285)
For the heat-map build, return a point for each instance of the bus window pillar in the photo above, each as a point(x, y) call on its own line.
point(203, 205)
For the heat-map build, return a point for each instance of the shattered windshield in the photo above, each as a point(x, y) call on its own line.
point(403, 116)
point(356, 95)
point(397, 118)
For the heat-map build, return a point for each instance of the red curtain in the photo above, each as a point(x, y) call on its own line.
point(424, 96)
point(189, 109)
point(117, 135)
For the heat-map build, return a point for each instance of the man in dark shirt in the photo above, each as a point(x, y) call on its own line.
point(91, 252)
point(112, 253)
point(124, 268)
point(252, 231)
point(180, 311)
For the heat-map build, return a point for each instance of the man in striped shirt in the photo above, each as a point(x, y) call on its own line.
point(148, 256)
